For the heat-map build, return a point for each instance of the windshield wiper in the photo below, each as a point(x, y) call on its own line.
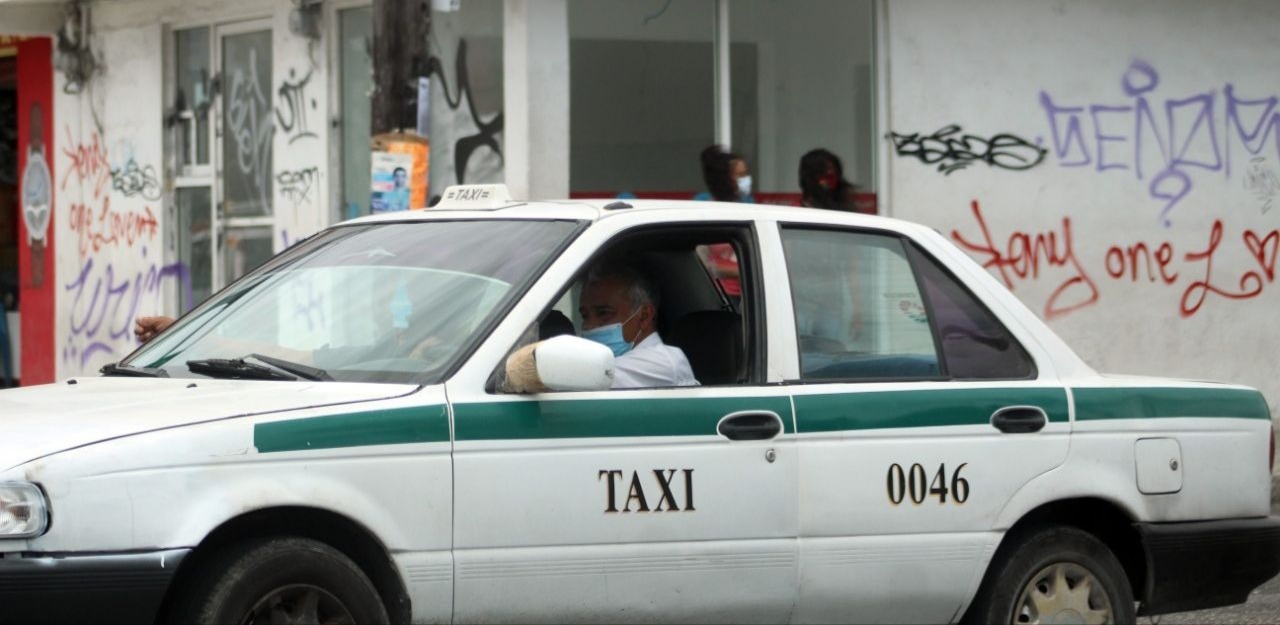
point(128, 371)
point(236, 369)
point(303, 371)
point(242, 369)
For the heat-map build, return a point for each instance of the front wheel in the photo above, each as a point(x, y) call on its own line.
point(1055, 575)
point(281, 580)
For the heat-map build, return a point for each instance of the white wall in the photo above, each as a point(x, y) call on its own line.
point(109, 211)
point(114, 199)
point(1113, 177)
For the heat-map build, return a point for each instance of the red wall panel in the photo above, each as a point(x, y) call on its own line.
point(36, 248)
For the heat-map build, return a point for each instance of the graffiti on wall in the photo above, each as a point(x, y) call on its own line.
point(250, 125)
point(486, 136)
point(296, 185)
point(951, 149)
point(1164, 141)
point(115, 228)
point(104, 302)
point(132, 179)
point(292, 104)
point(1196, 271)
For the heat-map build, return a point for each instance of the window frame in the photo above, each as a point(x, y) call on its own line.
point(914, 253)
point(755, 326)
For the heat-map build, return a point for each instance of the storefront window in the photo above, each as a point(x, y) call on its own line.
point(641, 95)
point(643, 99)
point(192, 99)
point(811, 86)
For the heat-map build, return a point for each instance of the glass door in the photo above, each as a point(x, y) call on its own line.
point(243, 214)
point(222, 131)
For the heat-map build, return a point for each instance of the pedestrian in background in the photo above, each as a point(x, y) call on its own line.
point(727, 176)
point(822, 183)
point(728, 179)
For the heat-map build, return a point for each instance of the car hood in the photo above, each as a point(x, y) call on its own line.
point(41, 420)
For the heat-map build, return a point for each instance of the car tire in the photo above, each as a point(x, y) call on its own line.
point(1050, 573)
point(279, 580)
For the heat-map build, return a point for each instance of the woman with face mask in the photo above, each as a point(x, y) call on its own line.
point(822, 183)
point(727, 176)
point(728, 180)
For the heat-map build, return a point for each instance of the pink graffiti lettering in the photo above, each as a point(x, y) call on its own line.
point(88, 163)
point(111, 228)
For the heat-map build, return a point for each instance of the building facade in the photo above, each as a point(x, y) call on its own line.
point(1116, 164)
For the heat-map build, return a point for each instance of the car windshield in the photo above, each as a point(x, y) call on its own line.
point(391, 303)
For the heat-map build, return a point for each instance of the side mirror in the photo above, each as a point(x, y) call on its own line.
point(562, 363)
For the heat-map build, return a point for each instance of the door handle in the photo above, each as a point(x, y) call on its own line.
point(750, 425)
point(1019, 419)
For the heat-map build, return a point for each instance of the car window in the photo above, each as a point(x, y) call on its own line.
point(859, 312)
point(395, 302)
point(975, 345)
point(705, 313)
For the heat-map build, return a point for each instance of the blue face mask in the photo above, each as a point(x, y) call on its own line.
point(611, 336)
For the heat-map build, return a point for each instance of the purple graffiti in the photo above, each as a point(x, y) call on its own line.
point(1160, 140)
point(104, 305)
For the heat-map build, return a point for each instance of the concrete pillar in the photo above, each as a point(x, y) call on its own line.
point(535, 60)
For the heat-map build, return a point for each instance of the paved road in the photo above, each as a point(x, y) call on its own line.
point(1263, 605)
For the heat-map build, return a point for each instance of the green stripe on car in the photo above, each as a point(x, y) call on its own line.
point(835, 412)
point(425, 424)
point(1155, 402)
point(605, 418)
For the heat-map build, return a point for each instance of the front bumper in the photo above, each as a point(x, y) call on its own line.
point(84, 588)
point(1206, 564)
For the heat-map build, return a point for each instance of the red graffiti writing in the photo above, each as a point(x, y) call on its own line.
point(1022, 256)
point(88, 163)
point(1258, 246)
point(111, 228)
point(1134, 257)
point(1197, 273)
point(1194, 297)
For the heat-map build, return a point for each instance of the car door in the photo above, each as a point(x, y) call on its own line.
point(919, 414)
point(621, 505)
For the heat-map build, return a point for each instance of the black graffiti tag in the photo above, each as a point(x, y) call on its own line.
point(488, 131)
point(132, 179)
point(951, 150)
point(297, 184)
point(291, 112)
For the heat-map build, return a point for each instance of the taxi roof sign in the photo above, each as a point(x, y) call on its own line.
point(475, 196)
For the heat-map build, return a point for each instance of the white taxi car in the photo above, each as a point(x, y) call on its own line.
point(880, 433)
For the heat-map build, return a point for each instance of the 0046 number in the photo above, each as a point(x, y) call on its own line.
point(914, 483)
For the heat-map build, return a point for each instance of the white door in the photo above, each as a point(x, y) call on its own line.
point(905, 378)
point(624, 505)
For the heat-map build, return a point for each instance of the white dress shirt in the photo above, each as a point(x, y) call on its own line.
point(652, 364)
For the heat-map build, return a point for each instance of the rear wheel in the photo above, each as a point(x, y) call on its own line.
point(1054, 575)
point(280, 580)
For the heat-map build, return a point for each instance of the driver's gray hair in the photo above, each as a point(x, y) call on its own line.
point(640, 288)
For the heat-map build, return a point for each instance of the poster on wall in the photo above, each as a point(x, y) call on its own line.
point(399, 172)
point(391, 181)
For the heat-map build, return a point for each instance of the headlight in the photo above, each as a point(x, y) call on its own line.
point(23, 513)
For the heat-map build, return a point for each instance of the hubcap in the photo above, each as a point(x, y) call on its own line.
point(1062, 594)
point(300, 604)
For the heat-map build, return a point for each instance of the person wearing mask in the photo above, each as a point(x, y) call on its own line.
point(822, 183)
point(728, 179)
point(726, 175)
point(619, 309)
